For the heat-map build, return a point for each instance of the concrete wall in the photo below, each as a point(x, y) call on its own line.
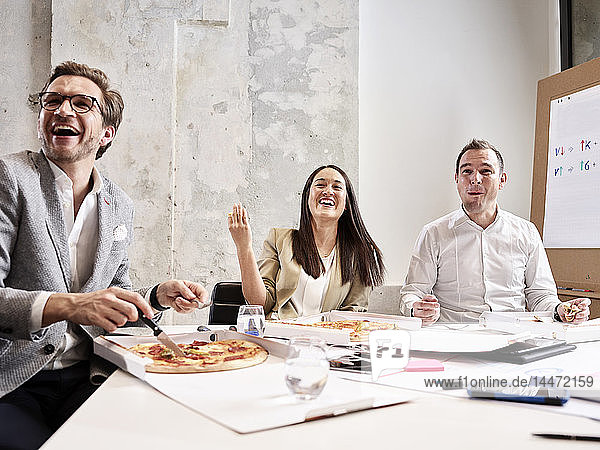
point(237, 101)
point(24, 65)
point(226, 101)
point(585, 18)
point(434, 74)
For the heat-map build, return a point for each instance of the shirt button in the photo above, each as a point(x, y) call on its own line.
point(49, 349)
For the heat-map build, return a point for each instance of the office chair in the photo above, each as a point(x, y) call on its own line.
point(226, 297)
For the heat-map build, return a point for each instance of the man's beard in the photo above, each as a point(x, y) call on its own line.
point(82, 151)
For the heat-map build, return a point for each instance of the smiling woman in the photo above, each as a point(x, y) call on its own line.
point(329, 262)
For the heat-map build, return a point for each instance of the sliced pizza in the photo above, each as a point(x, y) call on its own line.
point(202, 356)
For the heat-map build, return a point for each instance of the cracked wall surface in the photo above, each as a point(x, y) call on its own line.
point(585, 17)
point(226, 102)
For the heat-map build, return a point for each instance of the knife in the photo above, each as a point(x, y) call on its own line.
point(161, 335)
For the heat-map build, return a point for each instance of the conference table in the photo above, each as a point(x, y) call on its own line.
point(126, 412)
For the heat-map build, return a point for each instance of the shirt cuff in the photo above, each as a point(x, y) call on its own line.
point(37, 311)
point(407, 302)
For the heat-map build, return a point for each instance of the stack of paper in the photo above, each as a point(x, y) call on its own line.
point(540, 324)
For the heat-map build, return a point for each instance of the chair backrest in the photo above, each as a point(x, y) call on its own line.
point(227, 297)
point(385, 300)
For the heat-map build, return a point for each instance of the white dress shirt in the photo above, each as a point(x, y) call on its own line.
point(308, 296)
point(471, 270)
point(82, 232)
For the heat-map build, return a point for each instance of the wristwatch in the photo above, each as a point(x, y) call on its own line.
point(556, 314)
point(154, 300)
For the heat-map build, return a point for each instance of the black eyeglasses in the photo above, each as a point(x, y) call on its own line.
point(80, 103)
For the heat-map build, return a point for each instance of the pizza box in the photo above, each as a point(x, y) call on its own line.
point(288, 329)
point(541, 324)
point(114, 348)
point(252, 399)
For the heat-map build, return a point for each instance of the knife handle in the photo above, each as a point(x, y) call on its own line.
point(149, 322)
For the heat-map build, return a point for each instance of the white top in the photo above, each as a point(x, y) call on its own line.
point(82, 232)
point(308, 296)
point(471, 270)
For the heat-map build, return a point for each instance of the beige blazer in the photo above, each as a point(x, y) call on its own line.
point(280, 273)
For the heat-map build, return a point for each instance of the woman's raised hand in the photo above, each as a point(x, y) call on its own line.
point(239, 228)
point(252, 283)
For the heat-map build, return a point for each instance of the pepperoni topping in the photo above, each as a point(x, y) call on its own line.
point(155, 349)
point(232, 357)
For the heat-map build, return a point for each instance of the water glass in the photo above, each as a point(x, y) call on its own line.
point(306, 367)
point(251, 320)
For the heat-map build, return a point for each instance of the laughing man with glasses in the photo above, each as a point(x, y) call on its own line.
point(64, 269)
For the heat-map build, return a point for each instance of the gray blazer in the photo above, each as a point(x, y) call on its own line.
point(34, 257)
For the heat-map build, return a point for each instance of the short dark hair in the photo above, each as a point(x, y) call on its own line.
point(480, 144)
point(111, 104)
point(358, 252)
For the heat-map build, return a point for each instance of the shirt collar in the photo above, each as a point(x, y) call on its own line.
point(461, 217)
point(62, 179)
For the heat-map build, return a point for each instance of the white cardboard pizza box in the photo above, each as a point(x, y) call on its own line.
point(114, 348)
point(334, 337)
point(250, 399)
point(286, 330)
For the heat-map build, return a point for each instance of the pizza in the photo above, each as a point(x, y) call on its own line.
point(202, 356)
point(359, 329)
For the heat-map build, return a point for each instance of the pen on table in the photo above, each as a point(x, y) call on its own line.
point(573, 289)
point(571, 437)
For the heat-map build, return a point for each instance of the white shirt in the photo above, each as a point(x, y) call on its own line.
point(82, 232)
point(308, 296)
point(471, 270)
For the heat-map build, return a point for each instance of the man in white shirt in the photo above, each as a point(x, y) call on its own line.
point(480, 258)
point(64, 269)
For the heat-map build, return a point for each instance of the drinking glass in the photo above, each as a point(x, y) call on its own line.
point(251, 320)
point(306, 367)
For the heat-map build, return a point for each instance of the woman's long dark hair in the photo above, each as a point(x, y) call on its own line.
point(358, 253)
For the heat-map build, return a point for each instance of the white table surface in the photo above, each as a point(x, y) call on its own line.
point(128, 413)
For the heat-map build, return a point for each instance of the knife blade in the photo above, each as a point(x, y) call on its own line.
point(161, 335)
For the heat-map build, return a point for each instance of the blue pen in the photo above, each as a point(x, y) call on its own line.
point(542, 396)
